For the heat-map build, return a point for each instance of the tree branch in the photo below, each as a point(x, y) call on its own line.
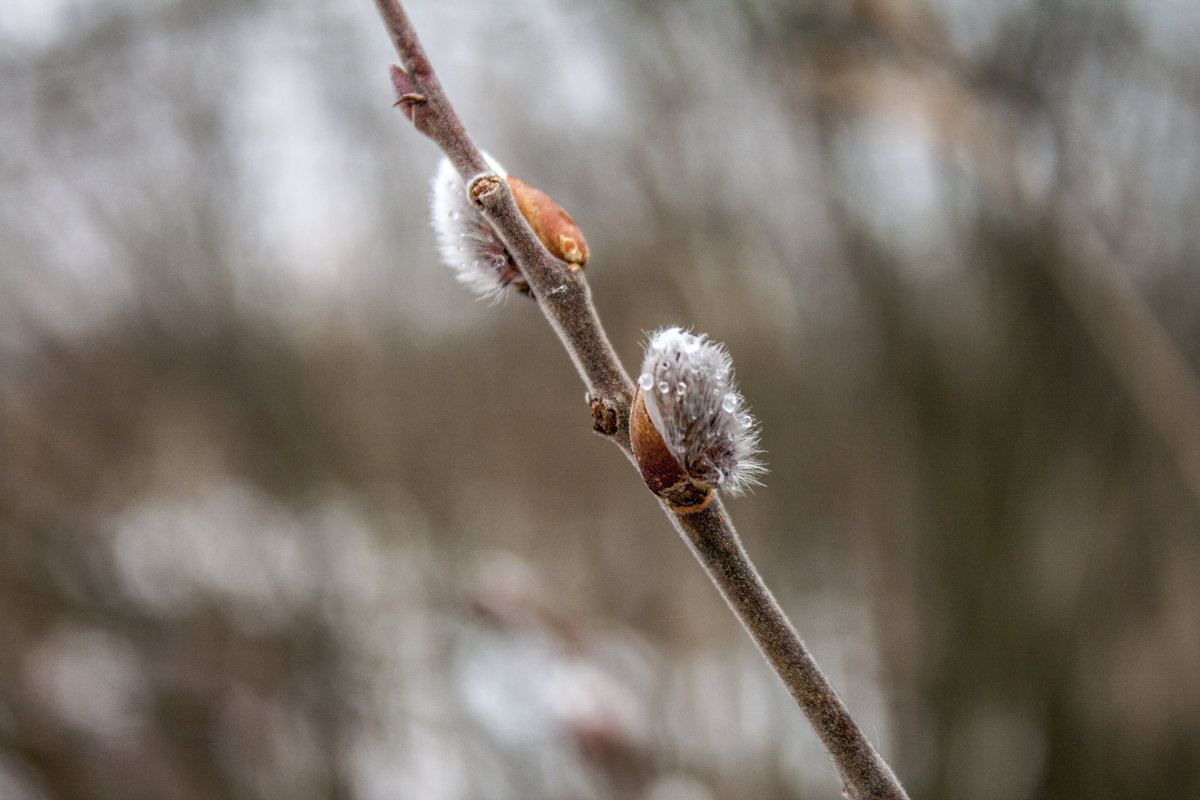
point(564, 297)
point(562, 293)
point(711, 536)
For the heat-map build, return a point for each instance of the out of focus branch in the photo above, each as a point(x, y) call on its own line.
point(1084, 265)
point(1128, 335)
point(565, 299)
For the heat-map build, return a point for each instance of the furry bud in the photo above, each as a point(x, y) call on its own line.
point(690, 431)
point(469, 245)
point(465, 238)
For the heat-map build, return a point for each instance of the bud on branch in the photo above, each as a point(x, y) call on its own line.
point(690, 431)
point(470, 246)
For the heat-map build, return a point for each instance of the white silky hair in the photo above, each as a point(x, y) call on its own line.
point(466, 241)
point(688, 389)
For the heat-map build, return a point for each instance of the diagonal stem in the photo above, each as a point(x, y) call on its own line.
point(714, 541)
point(562, 293)
point(565, 299)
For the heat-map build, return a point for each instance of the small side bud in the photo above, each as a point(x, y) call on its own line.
point(690, 431)
point(407, 96)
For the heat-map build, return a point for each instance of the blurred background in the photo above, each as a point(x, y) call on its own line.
point(286, 513)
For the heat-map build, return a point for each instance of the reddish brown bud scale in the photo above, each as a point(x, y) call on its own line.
point(407, 96)
point(553, 225)
point(663, 474)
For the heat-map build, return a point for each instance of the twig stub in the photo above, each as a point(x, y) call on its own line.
point(483, 187)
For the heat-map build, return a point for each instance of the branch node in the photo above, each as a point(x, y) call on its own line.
point(604, 416)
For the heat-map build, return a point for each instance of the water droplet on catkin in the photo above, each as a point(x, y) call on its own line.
point(646, 381)
point(680, 388)
point(664, 386)
point(729, 403)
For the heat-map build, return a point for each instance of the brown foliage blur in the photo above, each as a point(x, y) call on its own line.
point(283, 513)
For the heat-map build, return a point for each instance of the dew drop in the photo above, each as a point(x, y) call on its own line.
point(746, 420)
point(664, 387)
point(646, 381)
point(680, 388)
point(729, 403)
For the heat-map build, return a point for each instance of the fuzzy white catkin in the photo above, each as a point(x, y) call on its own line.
point(466, 241)
point(688, 389)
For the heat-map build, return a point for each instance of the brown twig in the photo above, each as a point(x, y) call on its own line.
point(564, 297)
point(562, 293)
point(714, 541)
